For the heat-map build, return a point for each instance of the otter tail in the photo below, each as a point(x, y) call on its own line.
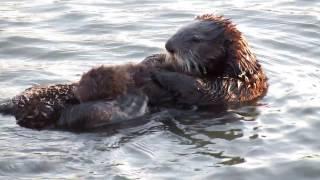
point(6, 107)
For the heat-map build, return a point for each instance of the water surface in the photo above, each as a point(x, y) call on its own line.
point(54, 41)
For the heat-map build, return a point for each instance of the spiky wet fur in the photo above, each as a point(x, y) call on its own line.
point(242, 78)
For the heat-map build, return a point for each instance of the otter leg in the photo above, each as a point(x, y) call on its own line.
point(96, 114)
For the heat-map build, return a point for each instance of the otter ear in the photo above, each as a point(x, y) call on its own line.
point(233, 67)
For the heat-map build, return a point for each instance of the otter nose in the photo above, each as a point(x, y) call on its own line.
point(169, 46)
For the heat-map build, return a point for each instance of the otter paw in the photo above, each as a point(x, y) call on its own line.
point(180, 85)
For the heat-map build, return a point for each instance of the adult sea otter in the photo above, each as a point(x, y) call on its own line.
point(208, 63)
point(217, 58)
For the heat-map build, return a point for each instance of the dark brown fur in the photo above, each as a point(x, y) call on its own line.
point(104, 82)
point(110, 82)
point(39, 107)
point(232, 74)
point(243, 80)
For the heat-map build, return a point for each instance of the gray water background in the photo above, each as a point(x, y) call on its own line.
point(55, 41)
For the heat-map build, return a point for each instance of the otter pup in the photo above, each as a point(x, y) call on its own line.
point(104, 95)
point(110, 82)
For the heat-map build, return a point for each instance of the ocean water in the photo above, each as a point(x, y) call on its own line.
point(55, 41)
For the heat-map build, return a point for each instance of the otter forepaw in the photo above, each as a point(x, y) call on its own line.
point(183, 87)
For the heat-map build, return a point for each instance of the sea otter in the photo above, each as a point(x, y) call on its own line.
point(214, 50)
point(104, 95)
point(208, 62)
point(211, 63)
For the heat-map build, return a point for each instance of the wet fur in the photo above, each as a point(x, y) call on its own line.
point(110, 82)
point(104, 82)
point(227, 69)
point(39, 107)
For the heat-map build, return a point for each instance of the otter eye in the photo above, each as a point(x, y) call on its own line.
point(195, 39)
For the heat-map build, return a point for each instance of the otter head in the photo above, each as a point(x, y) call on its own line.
point(211, 45)
point(104, 82)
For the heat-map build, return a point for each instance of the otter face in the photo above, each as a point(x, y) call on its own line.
point(199, 47)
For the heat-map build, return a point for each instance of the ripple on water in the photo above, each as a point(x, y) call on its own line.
point(44, 42)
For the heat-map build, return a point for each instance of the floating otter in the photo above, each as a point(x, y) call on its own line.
point(108, 92)
point(208, 63)
point(104, 95)
point(214, 52)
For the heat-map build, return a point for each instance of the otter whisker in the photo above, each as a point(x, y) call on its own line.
point(191, 64)
point(195, 66)
point(175, 59)
point(179, 60)
point(185, 63)
point(200, 66)
point(193, 61)
point(188, 63)
point(168, 58)
point(172, 58)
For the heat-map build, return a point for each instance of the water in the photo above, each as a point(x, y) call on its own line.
point(53, 41)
